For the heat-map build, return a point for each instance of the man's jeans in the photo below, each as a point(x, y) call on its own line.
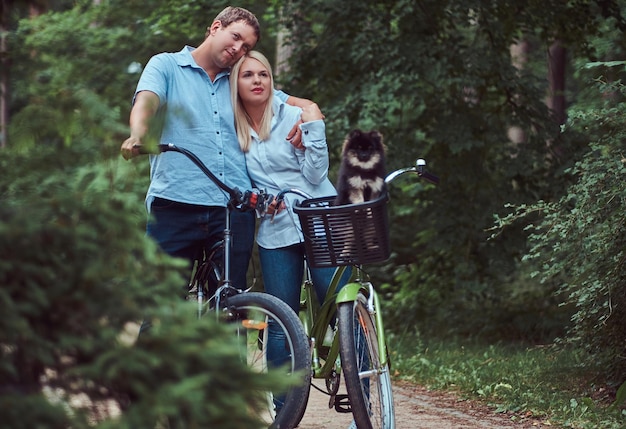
point(186, 230)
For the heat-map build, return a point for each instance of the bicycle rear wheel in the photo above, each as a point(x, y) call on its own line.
point(368, 382)
point(275, 341)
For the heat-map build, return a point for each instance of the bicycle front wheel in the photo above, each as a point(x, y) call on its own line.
point(368, 382)
point(275, 341)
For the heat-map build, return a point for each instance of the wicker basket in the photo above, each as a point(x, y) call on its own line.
point(352, 234)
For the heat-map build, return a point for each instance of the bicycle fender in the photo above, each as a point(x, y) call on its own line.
point(348, 293)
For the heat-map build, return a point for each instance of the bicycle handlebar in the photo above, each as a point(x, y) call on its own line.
point(419, 168)
point(259, 201)
point(249, 200)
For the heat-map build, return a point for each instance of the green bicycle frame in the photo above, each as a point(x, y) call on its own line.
point(317, 318)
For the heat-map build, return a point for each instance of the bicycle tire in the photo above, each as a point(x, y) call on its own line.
point(250, 306)
point(368, 382)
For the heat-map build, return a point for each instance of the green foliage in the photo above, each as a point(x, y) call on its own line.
point(187, 371)
point(586, 226)
point(77, 271)
point(534, 386)
point(442, 87)
point(620, 396)
point(437, 79)
point(68, 89)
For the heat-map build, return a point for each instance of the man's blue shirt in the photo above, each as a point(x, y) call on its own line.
point(197, 115)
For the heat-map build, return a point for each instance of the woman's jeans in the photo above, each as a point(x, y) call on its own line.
point(283, 273)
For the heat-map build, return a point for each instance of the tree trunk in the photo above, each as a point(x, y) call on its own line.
point(557, 57)
point(283, 52)
point(556, 78)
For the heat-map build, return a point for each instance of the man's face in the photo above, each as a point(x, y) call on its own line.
point(232, 42)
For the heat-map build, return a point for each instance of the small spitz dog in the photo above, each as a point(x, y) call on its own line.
point(362, 172)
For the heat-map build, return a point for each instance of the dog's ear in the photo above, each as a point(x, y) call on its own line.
point(355, 133)
point(351, 136)
point(377, 136)
point(346, 142)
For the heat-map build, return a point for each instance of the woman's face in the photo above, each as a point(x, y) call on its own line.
point(253, 82)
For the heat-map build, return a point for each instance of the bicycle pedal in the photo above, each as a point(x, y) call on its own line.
point(342, 404)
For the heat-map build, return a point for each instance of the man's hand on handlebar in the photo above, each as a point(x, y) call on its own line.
point(131, 147)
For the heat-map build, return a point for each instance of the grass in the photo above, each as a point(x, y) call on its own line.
point(537, 381)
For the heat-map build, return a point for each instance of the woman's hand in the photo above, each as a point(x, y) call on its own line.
point(274, 208)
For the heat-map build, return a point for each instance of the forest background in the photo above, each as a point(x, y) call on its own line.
point(518, 107)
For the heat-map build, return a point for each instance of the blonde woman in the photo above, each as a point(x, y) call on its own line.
point(262, 120)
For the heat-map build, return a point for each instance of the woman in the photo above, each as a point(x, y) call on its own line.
point(262, 120)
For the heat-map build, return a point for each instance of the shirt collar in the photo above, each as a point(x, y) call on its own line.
point(278, 111)
point(185, 59)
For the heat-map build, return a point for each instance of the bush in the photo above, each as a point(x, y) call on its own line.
point(577, 244)
point(76, 271)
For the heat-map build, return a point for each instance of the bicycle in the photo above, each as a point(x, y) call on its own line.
point(258, 318)
point(346, 330)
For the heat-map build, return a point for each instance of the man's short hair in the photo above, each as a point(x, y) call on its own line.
point(235, 14)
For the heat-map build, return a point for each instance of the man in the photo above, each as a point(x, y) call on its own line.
point(189, 92)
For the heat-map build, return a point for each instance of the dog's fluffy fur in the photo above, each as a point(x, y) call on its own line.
point(362, 173)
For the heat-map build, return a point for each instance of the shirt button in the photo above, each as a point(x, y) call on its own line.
point(306, 132)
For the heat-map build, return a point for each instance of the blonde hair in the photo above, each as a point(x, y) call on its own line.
point(243, 123)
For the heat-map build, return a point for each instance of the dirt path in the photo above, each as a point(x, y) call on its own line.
point(415, 408)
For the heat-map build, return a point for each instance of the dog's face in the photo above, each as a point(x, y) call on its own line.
point(364, 150)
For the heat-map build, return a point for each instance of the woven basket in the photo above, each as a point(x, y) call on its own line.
point(353, 234)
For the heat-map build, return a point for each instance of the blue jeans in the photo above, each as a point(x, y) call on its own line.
point(186, 231)
point(283, 272)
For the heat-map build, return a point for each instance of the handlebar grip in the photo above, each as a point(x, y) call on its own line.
point(430, 177)
point(150, 149)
